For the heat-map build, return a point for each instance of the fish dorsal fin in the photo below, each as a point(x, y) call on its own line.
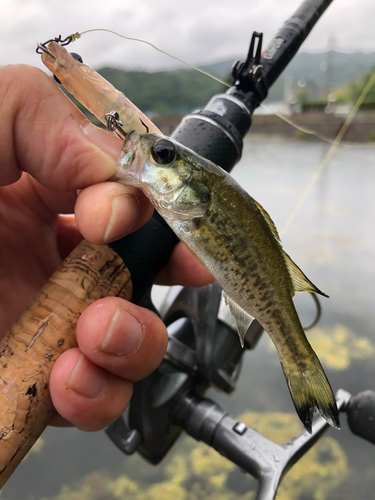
point(269, 221)
point(242, 319)
point(300, 282)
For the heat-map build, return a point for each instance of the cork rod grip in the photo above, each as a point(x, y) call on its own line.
point(45, 330)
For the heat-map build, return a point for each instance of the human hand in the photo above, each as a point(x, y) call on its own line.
point(48, 152)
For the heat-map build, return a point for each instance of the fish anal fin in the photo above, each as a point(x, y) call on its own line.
point(269, 221)
point(242, 319)
point(300, 282)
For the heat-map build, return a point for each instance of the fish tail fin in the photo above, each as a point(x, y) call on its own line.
point(311, 392)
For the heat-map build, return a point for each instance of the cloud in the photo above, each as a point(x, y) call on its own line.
point(199, 32)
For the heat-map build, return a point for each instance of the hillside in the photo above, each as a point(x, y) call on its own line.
point(164, 92)
point(345, 66)
point(181, 91)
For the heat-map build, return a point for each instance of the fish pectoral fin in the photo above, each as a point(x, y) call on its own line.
point(300, 282)
point(242, 319)
point(191, 202)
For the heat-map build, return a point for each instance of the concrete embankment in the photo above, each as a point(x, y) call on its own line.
point(361, 129)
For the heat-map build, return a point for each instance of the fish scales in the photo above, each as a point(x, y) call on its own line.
point(236, 240)
point(233, 233)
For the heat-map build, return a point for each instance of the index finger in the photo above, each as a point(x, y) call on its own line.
point(44, 133)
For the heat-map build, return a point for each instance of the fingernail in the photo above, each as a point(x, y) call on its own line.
point(127, 206)
point(86, 379)
point(106, 141)
point(124, 336)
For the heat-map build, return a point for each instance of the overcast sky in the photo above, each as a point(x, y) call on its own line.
point(198, 31)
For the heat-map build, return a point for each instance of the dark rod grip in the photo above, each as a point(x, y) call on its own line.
point(361, 415)
point(145, 253)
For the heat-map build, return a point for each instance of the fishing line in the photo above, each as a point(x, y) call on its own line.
point(304, 130)
point(159, 50)
point(299, 127)
point(328, 156)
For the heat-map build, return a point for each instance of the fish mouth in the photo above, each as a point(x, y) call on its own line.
point(128, 170)
point(132, 141)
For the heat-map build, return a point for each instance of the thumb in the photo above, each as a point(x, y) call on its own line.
point(43, 133)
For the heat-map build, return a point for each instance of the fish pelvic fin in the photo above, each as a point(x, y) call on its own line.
point(301, 282)
point(242, 319)
point(311, 392)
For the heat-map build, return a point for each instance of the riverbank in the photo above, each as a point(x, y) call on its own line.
point(362, 128)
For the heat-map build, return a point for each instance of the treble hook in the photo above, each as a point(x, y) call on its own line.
point(114, 124)
point(42, 47)
point(145, 126)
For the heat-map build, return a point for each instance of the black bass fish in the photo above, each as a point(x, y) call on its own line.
point(236, 240)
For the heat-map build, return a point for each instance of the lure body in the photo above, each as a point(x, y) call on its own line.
point(92, 90)
point(234, 237)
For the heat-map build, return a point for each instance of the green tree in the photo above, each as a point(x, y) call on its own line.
point(352, 91)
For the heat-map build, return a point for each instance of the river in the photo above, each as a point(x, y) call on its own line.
point(332, 239)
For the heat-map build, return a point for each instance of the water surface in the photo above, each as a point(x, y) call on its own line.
point(333, 240)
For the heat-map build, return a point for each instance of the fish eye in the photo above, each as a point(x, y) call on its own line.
point(163, 152)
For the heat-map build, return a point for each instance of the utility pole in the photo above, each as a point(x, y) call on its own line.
point(329, 65)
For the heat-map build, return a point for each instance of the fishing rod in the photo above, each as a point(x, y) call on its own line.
point(128, 268)
point(203, 349)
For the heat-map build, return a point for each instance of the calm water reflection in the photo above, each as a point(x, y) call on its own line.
point(333, 240)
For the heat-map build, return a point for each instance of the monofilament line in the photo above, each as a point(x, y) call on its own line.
point(159, 50)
